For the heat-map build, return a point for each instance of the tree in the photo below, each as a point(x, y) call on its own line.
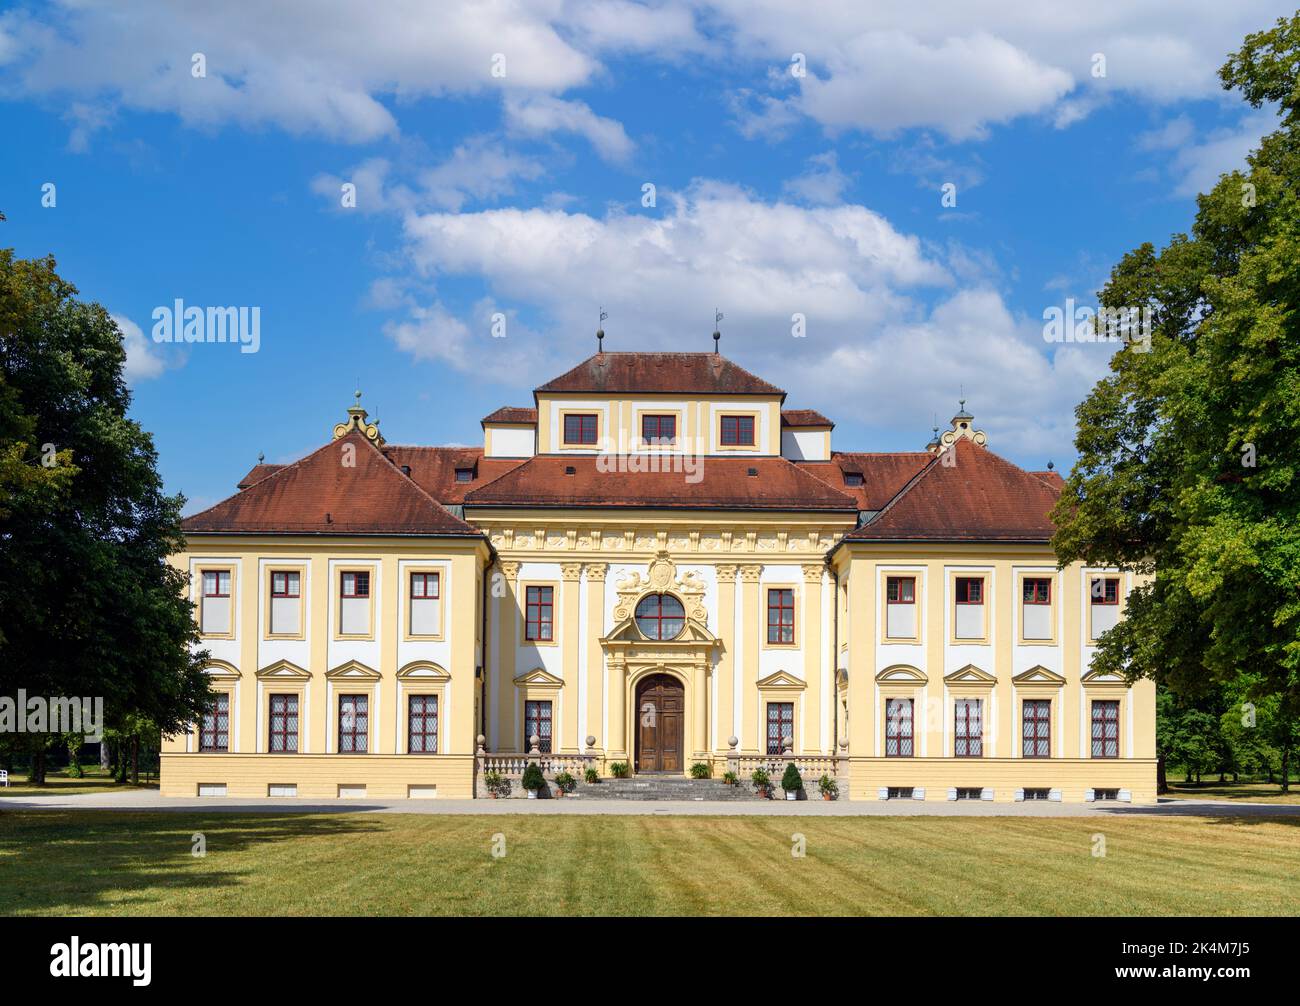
point(1188, 471)
point(89, 605)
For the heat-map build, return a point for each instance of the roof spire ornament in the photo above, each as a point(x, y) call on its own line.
point(600, 331)
point(717, 334)
point(963, 428)
point(357, 421)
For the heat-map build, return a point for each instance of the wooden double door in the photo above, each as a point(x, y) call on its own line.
point(660, 724)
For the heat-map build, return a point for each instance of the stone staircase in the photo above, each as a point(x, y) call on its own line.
point(663, 787)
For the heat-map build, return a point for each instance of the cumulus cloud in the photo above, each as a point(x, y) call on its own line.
point(823, 183)
point(142, 361)
point(1197, 164)
point(542, 116)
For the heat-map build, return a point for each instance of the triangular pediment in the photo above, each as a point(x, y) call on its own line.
point(1038, 675)
point(422, 670)
point(539, 676)
point(905, 673)
point(283, 670)
point(781, 679)
point(1098, 678)
point(970, 675)
point(353, 670)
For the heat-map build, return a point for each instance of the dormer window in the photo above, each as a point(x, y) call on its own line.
point(659, 431)
point(580, 429)
point(464, 474)
point(737, 431)
point(853, 478)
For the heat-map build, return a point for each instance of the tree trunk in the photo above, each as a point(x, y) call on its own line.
point(105, 759)
point(135, 761)
point(1162, 781)
point(38, 766)
point(1286, 770)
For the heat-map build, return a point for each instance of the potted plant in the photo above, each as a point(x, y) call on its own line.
point(829, 787)
point(533, 780)
point(762, 781)
point(496, 785)
point(618, 769)
point(730, 778)
point(700, 770)
point(791, 782)
point(591, 777)
point(565, 783)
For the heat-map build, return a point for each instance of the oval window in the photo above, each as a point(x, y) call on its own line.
point(660, 616)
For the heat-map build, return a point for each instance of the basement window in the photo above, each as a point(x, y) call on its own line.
point(1037, 794)
point(969, 792)
point(901, 792)
point(1105, 794)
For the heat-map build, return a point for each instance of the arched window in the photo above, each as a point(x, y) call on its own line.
point(660, 616)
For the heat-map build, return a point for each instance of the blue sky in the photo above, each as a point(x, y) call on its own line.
point(522, 195)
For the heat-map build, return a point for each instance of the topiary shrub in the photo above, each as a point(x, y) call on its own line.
point(792, 781)
point(533, 779)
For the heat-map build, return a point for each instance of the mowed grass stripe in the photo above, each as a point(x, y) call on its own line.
point(62, 862)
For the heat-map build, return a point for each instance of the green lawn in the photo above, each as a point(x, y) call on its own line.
point(57, 862)
point(1253, 792)
point(61, 784)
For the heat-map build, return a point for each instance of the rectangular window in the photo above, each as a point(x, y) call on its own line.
point(286, 591)
point(356, 585)
point(970, 590)
point(422, 724)
point(580, 428)
point(1105, 728)
point(425, 598)
point(284, 724)
point(900, 589)
point(1105, 590)
point(780, 725)
point(214, 606)
point(1103, 612)
point(464, 474)
point(900, 608)
point(898, 728)
point(1036, 610)
point(354, 724)
point(1036, 728)
point(780, 616)
point(659, 430)
point(1038, 793)
point(285, 585)
point(539, 614)
point(214, 734)
point(738, 431)
point(969, 793)
point(969, 731)
point(1037, 590)
point(354, 604)
point(537, 723)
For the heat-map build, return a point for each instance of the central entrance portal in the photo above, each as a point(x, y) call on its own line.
point(660, 724)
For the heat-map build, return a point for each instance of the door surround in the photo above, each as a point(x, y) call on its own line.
point(670, 730)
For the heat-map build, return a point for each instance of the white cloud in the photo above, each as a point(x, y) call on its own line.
point(431, 333)
point(1197, 165)
point(544, 116)
point(822, 184)
point(142, 362)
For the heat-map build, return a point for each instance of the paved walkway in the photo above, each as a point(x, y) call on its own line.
point(146, 800)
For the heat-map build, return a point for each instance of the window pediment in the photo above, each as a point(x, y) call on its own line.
point(903, 673)
point(1038, 675)
point(283, 670)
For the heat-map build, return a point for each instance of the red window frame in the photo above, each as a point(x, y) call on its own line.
point(281, 577)
point(354, 729)
point(537, 720)
point(422, 724)
point(780, 616)
point(1037, 590)
point(283, 708)
point(737, 431)
point(965, 595)
point(360, 584)
point(780, 725)
point(424, 580)
point(220, 575)
point(894, 592)
point(584, 425)
point(657, 616)
point(659, 429)
point(899, 728)
point(1105, 728)
point(968, 729)
point(539, 614)
point(1109, 593)
point(1036, 728)
point(214, 731)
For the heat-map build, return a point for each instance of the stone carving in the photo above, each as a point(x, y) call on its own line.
point(661, 578)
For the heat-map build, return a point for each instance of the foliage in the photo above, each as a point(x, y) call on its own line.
point(533, 779)
point(700, 770)
point(1188, 470)
point(618, 769)
point(760, 778)
point(791, 781)
point(730, 778)
point(566, 782)
point(591, 777)
point(828, 787)
point(496, 784)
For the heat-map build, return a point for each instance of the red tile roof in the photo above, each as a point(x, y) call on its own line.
point(511, 414)
point(321, 494)
point(433, 469)
point(981, 497)
point(804, 417)
point(1052, 478)
point(256, 474)
point(724, 483)
point(883, 475)
point(659, 373)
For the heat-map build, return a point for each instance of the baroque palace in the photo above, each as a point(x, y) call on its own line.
point(655, 565)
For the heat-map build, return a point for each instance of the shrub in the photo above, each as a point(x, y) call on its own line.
point(700, 770)
point(618, 770)
point(566, 782)
point(760, 778)
point(828, 786)
point(533, 777)
point(591, 777)
point(792, 781)
point(496, 784)
point(730, 778)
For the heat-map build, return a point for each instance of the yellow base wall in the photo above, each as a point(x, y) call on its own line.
point(318, 777)
point(1072, 776)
